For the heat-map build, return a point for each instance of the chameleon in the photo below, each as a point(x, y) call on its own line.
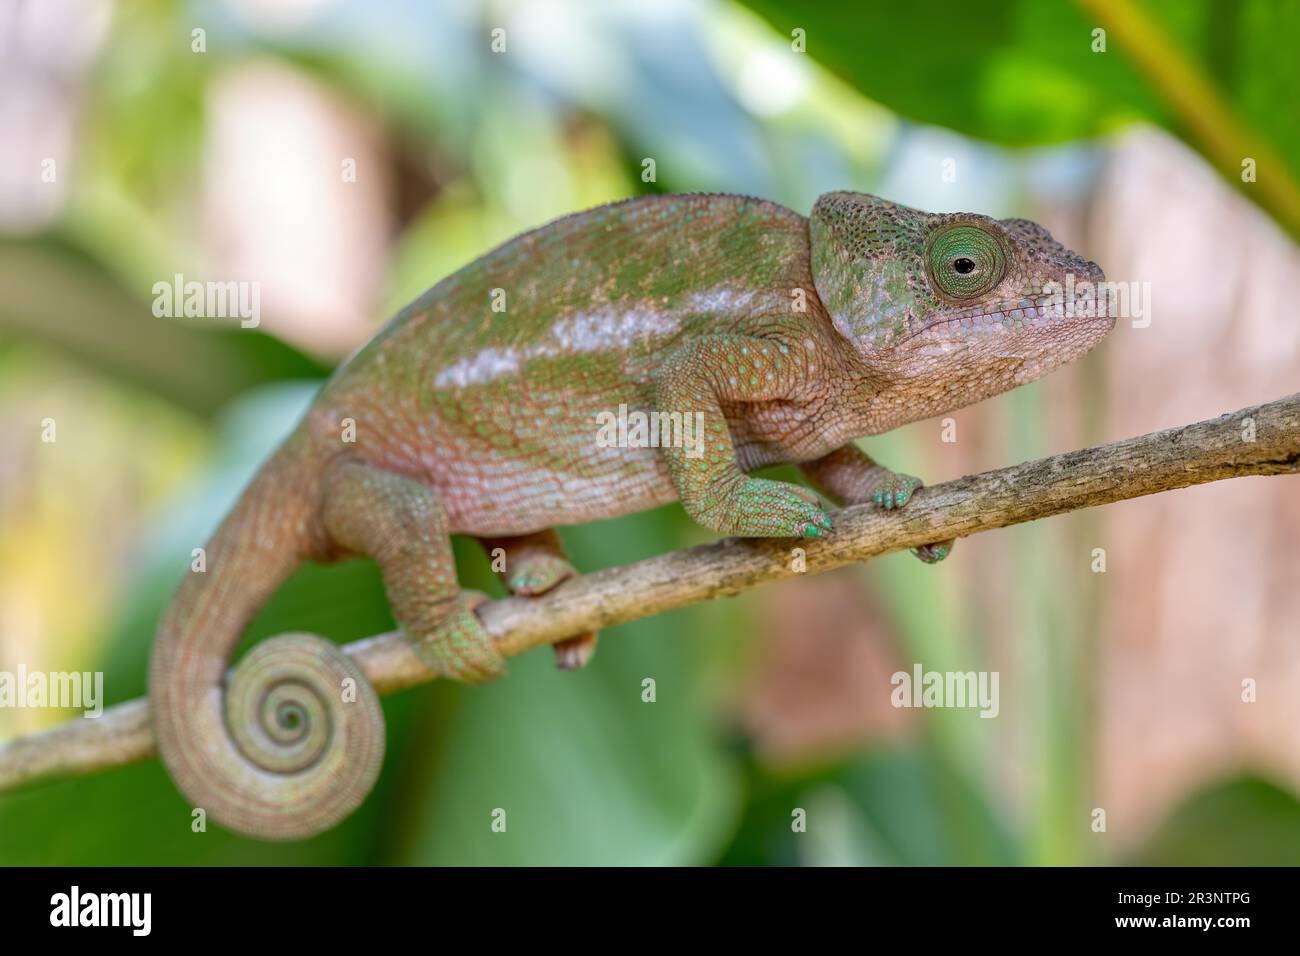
point(781, 338)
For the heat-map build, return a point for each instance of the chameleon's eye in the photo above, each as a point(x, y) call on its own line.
point(965, 260)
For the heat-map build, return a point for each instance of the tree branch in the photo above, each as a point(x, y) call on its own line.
point(1263, 440)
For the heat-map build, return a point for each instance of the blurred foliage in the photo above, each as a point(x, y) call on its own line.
point(1244, 821)
point(586, 772)
point(52, 290)
point(893, 807)
point(1018, 72)
point(1023, 72)
point(578, 759)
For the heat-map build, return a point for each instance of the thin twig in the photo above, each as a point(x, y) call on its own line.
point(1263, 440)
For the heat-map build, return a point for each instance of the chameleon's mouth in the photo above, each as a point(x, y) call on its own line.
point(1027, 314)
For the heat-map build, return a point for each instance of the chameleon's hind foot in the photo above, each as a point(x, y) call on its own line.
point(402, 524)
point(457, 646)
point(537, 572)
point(534, 564)
point(573, 653)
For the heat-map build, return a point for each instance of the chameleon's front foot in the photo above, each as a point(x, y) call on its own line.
point(849, 476)
point(761, 508)
point(894, 490)
point(934, 553)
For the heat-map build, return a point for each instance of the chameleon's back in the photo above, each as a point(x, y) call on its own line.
point(488, 385)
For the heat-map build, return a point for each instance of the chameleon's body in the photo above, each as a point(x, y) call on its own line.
point(476, 411)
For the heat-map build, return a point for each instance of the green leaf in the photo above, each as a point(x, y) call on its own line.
point(1023, 72)
point(1016, 72)
point(889, 807)
point(1245, 821)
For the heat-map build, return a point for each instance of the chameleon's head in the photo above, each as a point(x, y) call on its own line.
point(959, 305)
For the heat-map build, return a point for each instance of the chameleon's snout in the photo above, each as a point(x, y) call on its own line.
point(1091, 296)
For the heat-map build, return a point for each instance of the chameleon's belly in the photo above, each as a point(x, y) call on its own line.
point(518, 454)
point(486, 493)
point(527, 469)
point(536, 450)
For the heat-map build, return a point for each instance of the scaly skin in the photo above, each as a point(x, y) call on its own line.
point(790, 336)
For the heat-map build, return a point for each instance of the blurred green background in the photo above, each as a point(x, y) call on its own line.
point(135, 148)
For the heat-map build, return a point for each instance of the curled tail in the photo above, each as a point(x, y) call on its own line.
point(292, 741)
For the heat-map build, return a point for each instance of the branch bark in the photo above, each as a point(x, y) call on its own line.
point(1261, 440)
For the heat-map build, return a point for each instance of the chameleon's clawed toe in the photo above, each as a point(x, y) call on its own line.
point(538, 573)
point(457, 646)
point(935, 552)
point(895, 491)
point(535, 564)
point(575, 653)
point(816, 528)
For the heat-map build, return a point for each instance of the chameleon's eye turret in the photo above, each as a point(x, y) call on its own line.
point(965, 260)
